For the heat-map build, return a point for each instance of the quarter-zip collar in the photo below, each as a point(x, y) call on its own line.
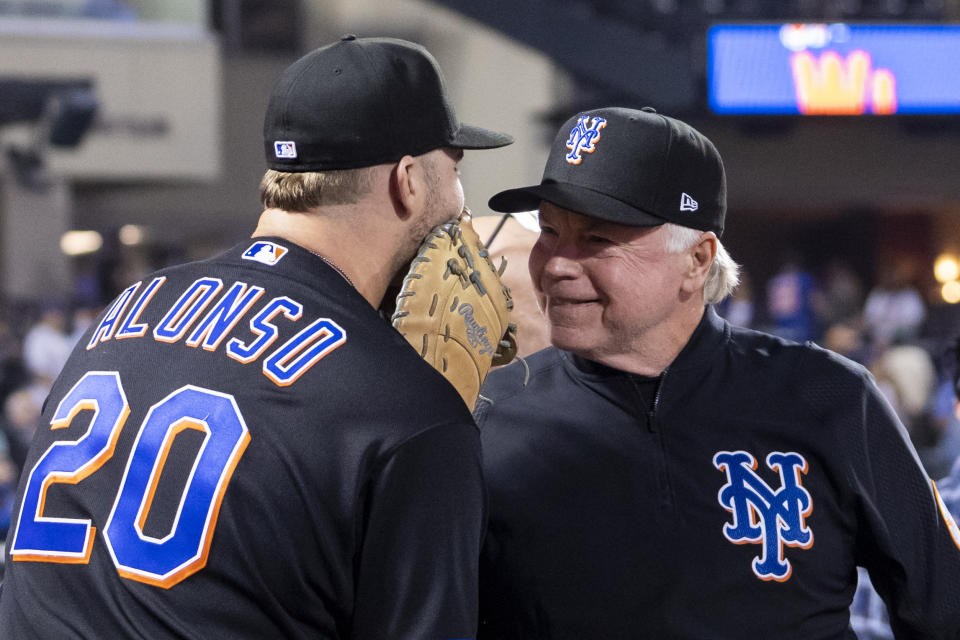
point(711, 334)
point(704, 344)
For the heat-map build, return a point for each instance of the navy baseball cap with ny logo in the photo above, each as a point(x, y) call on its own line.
point(633, 167)
point(360, 102)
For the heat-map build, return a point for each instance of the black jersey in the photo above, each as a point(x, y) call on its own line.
point(734, 499)
point(242, 448)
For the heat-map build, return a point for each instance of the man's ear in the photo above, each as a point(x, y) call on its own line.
point(702, 254)
point(407, 186)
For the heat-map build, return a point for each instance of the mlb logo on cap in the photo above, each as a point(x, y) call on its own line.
point(265, 252)
point(285, 149)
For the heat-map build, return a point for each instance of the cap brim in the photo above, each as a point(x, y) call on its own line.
point(573, 198)
point(470, 137)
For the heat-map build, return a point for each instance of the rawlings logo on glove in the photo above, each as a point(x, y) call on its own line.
point(454, 309)
point(476, 335)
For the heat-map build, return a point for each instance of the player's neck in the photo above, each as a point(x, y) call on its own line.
point(342, 240)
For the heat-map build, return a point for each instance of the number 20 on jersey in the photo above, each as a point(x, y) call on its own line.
point(183, 551)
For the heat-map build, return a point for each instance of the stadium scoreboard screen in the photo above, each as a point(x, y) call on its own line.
point(833, 69)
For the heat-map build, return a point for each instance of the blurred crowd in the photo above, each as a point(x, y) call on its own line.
point(887, 327)
point(35, 341)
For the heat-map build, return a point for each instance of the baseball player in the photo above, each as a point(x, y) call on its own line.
point(658, 473)
point(242, 447)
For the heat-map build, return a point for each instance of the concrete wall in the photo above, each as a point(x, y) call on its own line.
point(181, 11)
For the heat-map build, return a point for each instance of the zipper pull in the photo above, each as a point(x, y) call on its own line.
point(656, 402)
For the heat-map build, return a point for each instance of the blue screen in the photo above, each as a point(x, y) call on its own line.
point(833, 69)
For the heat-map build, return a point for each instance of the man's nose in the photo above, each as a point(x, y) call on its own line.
point(563, 261)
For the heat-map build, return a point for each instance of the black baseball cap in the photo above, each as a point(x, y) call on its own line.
point(633, 167)
point(360, 102)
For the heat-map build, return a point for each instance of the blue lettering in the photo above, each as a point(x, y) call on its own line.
point(185, 311)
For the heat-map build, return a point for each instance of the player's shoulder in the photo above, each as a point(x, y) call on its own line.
point(171, 279)
point(422, 409)
point(519, 380)
point(400, 385)
point(833, 363)
point(821, 381)
point(521, 373)
point(780, 354)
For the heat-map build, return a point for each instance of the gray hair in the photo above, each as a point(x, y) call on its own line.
point(724, 275)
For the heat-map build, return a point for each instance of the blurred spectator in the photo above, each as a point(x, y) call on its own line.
point(945, 423)
point(950, 486)
point(847, 340)
point(841, 299)
point(13, 376)
point(908, 378)
point(83, 317)
point(21, 414)
point(894, 310)
point(47, 346)
point(9, 473)
point(738, 307)
point(790, 301)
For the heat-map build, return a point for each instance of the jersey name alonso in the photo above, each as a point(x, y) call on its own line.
point(206, 311)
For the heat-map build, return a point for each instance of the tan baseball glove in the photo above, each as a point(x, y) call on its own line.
point(454, 310)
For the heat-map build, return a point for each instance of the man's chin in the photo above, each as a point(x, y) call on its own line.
point(569, 339)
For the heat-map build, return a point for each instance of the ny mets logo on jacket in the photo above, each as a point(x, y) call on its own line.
point(762, 515)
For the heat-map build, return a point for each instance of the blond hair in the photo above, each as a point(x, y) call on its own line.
point(306, 190)
point(724, 275)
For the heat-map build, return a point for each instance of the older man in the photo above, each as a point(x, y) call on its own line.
point(658, 473)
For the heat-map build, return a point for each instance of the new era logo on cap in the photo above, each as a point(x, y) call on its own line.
point(687, 203)
point(285, 149)
point(265, 252)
